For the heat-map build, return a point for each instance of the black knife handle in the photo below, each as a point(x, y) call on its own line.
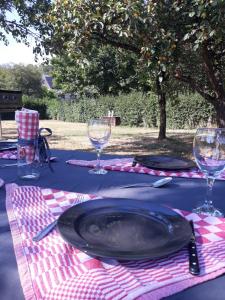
point(134, 163)
point(194, 268)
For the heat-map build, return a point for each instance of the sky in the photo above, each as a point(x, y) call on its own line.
point(16, 53)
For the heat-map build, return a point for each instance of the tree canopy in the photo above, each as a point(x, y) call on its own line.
point(104, 71)
point(180, 39)
point(20, 77)
point(22, 18)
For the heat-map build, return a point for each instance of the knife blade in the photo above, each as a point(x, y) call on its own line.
point(45, 231)
point(194, 268)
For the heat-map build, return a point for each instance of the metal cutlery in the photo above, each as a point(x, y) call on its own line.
point(134, 163)
point(156, 184)
point(47, 229)
point(194, 268)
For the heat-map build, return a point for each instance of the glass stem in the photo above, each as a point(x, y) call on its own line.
point(98, 165)
point(208, 199)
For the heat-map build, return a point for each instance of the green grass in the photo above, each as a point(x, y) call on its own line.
point(124, 140)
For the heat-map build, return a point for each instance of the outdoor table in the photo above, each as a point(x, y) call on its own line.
point(182, 193)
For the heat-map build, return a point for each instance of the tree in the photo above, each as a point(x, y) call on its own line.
point(175, 39)
point(4, 78)
point(20, 77)
point(200, 44)
point(105, 70)
point(22, 18)
point(129, 25)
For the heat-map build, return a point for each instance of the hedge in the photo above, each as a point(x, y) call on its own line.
point(135, 109)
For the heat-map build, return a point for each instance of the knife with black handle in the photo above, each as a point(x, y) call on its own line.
point(134, 163)
point(194, 268)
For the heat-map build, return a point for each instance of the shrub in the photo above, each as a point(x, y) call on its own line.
point(189, 111)
point(37, 104)
point(135, 109)
point(131, 109)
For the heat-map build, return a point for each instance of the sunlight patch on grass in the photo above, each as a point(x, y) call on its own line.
point(124, 140)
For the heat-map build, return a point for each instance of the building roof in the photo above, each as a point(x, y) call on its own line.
point(47, 81)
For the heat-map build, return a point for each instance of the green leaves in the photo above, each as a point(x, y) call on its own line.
point(21, 18)
point(24, 78)
point(105, 69)
point(167, 36)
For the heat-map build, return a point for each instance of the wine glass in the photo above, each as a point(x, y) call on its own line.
point(209, 153)
point(99, 131)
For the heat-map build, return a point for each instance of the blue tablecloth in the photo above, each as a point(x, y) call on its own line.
point(181, 193)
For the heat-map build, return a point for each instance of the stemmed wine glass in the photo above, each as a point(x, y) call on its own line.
point(99, 131)
point(209, 153)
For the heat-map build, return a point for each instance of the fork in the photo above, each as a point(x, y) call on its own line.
point(47, 229)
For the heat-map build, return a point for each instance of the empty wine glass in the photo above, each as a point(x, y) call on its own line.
point(99, 131)
point(209, 153)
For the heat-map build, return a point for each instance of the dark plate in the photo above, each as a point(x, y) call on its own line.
point(124, 229)
point(163, 162)
point(8, 146)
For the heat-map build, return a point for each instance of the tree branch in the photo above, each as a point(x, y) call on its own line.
point(216, 82)
point(23, 29)
point(107, 40)
point(193, 85)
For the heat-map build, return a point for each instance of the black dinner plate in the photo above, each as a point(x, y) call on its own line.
point(8, 146)
point(124, 229)
point(164, 162)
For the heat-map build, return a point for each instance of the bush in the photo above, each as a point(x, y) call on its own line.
point(134, 109)
point(37, 104)
point(131, 109)
point(189, 111)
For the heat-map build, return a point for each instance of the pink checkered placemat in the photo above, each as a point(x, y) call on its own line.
point(52, 269)
point(12, 154)
point(125, 165)
point(9, 154)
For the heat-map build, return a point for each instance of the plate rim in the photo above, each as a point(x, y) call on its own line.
point(12, 147)
point(191, 163)
point(103, 254)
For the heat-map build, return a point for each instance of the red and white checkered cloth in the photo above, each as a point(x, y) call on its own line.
point(27, 123)
point(27, 126)
point(52, 269)
point(125, 165)
point(12, 154)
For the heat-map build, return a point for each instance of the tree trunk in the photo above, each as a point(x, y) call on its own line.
point(219, 106)
point(162, 111)
point(217, 84)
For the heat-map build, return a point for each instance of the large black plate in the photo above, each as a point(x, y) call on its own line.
point(8, 146)
point(124, 229)
point(163, 162)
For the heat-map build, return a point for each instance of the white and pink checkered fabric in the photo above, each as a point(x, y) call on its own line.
point(9, 154)
point(27, 127)
point(125, 165)
point(12, 154)
point(52, 269)
point(27, 123)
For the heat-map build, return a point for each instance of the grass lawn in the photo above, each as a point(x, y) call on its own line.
point(124, 140)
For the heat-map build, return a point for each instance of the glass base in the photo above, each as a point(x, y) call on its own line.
point(98, 171)
point(208, 210)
